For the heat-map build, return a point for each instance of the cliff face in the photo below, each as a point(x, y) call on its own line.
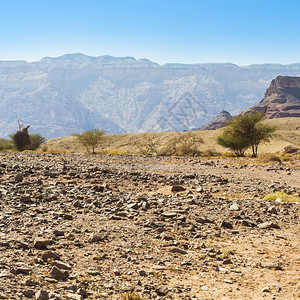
point(282, 98)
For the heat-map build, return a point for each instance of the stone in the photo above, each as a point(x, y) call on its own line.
point(268, 225)
point(227, 225)
point(57, 232)
point(49, 255)
point(61, 265)
point(169, 214)
point(234, 206)
point(41, 243)
point(162, 290)
point(28, 293)
point(142, 272)
point(41, 295)
point(57, 274)
point(133, 206)
point(19, 177)
point(177, 188)
point(266, 289)
point(272, 210)
point(30, 282)
point(177, 250)
point(25, 199)
point(72, 296)
point(96, 237)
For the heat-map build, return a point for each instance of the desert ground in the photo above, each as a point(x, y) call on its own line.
point(78, 226)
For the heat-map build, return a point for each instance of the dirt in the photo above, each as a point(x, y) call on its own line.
point(93, 227)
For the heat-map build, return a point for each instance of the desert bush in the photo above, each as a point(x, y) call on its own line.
point(90, 139)
point(36, 140)
point(210, 153)
point(6, 144)
point(183, 144)
point(150, 145)
point(269, 157)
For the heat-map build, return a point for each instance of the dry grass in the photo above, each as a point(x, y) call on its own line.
point(288, 133)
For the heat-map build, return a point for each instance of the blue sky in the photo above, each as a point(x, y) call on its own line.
point(188, 31)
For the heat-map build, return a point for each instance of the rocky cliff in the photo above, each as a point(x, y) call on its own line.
point(282, 98)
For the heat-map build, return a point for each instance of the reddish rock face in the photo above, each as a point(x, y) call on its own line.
point(282, 98)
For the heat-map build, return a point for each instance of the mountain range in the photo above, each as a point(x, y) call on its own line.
point(74, 92)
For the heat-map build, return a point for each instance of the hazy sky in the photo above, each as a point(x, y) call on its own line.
point(188, 31)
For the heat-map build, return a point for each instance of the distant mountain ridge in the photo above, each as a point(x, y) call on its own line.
point(75, 92)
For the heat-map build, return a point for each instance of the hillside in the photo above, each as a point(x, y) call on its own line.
point(288, 133)
point(75, 92)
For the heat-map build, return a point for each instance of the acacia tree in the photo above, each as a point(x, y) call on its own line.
point(244, 131)
point(235, 143)
point(90, 139)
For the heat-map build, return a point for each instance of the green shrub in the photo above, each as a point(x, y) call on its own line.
point(36, 140)
point(281, 195)
point(6, 144)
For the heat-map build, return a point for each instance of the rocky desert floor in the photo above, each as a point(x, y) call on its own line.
point(75, 226)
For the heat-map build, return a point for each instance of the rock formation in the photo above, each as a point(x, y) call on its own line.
point(282, 98)
point(218, 122)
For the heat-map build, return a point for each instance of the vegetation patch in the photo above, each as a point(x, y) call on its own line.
point(281, 195)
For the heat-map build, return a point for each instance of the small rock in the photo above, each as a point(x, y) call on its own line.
point(41, 295)
point(74, 297)
point(177, 250)
point(19, 177)
point(162, 290)
point(278, 288)
point(268, 225)
point(177, 188)
point(272, 210)
point(25, 199)
point(234, 206)
point(28, 293)
point(58, 232)
point(266, 289)
point(133, 206)
point(142, 272)
point(61, 265)
point(167, 237)
point(49, 255)
point(40, 243)
point(58, 274)
point(225, 224)
point(30, 282)
point(117, 272)
point(228, 281)
point(169, 214)
point(96, 237)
